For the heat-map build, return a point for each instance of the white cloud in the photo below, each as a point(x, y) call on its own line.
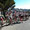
point(23, 7)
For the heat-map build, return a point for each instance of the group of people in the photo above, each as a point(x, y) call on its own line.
point(10, 16)
point(13, 16)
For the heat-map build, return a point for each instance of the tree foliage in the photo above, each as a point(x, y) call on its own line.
point(5, 4)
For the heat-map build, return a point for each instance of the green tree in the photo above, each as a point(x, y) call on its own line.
point(5, 4)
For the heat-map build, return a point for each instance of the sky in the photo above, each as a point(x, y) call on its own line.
point(24, 4)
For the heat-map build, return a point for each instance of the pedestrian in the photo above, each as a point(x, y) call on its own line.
point(21, 18)
point(6, 19)
point(10, 20)
point(2, 20)
point(15, 17)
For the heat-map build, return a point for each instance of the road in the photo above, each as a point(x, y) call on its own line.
point(22, 26)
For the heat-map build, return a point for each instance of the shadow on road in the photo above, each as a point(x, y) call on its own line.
point(0, 28)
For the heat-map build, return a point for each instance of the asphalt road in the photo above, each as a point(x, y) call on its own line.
point(22, 26)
